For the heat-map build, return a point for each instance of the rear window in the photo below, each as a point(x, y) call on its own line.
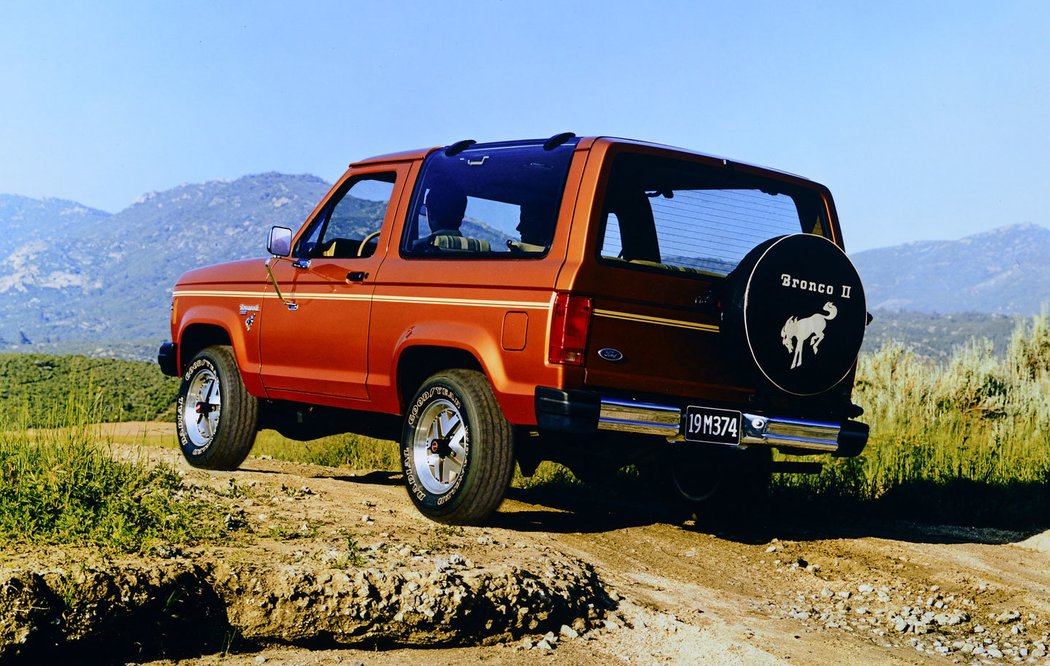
point(672, 216)
point(488, 201)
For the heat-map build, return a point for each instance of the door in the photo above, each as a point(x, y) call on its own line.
point(314, 337)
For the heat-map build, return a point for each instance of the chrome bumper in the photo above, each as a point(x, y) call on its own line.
point(651, 419)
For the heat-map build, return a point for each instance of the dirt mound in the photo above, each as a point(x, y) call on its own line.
point(123, 609)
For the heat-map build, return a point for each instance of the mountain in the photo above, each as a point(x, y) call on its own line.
point(72, 276)
point(23, 219)
point(1003, 271)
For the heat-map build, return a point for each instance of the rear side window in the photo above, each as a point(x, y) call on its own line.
point(491, 201)
point(662, 214)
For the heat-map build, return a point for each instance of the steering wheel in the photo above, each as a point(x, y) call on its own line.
point(364, 242)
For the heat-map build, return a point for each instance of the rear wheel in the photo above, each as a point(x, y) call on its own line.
point(457, 449)
point(711, 483)
point(217, 418)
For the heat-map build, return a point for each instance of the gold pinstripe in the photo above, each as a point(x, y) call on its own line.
point(532, 305)
point(659, 321)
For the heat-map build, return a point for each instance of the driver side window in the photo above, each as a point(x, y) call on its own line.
point(349, 225)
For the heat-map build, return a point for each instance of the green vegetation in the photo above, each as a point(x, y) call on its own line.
point(36, 387)
point(60, 485)
point(963, 439)
point(967, 439)
point(938, 335)
point(354, 450)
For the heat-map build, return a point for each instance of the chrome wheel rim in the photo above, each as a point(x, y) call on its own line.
point(438, 448)
point(202, 408)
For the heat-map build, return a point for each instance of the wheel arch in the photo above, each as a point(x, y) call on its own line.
point(196, 337)
point(417, 362)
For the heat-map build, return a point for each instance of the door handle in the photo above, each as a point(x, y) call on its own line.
point(356, 276)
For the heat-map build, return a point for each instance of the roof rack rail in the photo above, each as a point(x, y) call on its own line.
point(459, 147)
point(557, 140)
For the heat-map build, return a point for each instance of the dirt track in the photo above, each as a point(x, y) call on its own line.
point(804, 593)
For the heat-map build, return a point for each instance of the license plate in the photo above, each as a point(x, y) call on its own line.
point(714, 426)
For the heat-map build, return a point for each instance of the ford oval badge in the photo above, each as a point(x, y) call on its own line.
point(610, 354)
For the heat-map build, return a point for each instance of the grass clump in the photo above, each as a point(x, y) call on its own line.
point(62, 486)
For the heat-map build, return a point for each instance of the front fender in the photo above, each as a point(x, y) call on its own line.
point(241, 336)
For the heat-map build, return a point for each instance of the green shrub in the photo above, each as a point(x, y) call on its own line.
point(60, 485)
point(966, 437)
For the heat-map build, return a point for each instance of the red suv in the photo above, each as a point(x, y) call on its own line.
point(594, 301)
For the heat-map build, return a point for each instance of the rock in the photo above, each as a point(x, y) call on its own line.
point(1007, 617)
point(568, 632)
point(544, 645)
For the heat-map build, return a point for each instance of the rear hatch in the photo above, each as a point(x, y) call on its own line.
point(668, 231)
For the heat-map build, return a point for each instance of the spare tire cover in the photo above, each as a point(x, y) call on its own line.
point(796, 304)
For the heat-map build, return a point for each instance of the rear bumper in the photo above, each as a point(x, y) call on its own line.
point(587, 411)
point(168, 359)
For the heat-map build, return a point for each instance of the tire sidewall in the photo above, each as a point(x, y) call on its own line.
point(430, 503)
point(193, 451)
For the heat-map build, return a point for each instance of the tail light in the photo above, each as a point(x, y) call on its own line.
point(569, 325)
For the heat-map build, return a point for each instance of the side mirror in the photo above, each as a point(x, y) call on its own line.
point(279, 243)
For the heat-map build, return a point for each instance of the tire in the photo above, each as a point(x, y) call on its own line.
point(795, 314)
point(712, 483)
point(216, 417)
point(457, 449)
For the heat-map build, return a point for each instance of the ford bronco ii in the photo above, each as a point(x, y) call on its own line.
point(593, 301)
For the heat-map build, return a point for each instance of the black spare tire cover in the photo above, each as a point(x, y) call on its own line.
point(795, 309)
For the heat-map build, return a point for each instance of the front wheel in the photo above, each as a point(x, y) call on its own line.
point(457, 449)
point(216, 417)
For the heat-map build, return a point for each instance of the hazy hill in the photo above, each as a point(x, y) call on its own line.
point(22, 219)
point(998, 272)
point(72, 274)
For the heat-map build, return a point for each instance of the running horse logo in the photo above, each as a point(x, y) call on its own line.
point(797, 331)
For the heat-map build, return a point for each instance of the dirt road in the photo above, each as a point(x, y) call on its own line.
point(800, 592)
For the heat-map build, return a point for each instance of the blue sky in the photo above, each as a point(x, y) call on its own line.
point(927, 120)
